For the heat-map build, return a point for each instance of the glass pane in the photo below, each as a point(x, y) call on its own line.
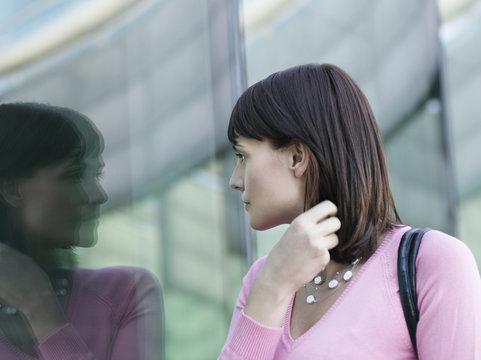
point(156, 79)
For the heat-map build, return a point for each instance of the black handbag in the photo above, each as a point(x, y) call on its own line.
point(407, 253)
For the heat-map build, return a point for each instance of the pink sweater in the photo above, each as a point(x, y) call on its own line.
point(113, 313)
point(367, 321)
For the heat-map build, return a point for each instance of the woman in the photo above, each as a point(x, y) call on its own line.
point(50, 163)
point(310, 155)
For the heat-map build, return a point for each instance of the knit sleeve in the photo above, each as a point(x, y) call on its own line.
point(64, 343)
point(248, 339)
point(134, 323)
point(449, 300)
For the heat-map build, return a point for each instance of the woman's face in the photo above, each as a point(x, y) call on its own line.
point(271, 191)
point(59, 204)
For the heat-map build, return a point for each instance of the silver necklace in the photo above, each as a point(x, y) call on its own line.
point(321, 279)
point(60, 287)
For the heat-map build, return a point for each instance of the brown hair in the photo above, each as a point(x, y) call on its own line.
point(322, 107)
point(35, 135)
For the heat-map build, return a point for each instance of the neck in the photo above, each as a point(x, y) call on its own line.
point(14, 234)
point(47, 258)
point(335, 266)
point(50, 260)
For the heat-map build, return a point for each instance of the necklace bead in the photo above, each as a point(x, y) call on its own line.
point(61, 290)
point(347, 275)
point(9, 310)
point(332, 284)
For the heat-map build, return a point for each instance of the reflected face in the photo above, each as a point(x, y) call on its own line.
point(272, 194)
point(59, 200)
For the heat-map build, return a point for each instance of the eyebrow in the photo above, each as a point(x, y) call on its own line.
point(238, 147)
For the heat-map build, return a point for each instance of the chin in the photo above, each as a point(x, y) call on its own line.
point(261, 227)
point(87, 234)
point(265, 225)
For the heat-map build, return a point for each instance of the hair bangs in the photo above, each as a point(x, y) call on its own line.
point(256, 115)
point(244, 120)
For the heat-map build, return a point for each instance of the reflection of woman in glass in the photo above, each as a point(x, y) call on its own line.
point(50, 161)
point(310, 155)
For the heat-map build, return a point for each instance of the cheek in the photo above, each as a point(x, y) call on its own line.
point(53, 217)
point(277, 197)
point(257, 183)
point(268, 181)
point(53, 204)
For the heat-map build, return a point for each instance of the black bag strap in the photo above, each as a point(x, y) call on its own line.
point(407, 253)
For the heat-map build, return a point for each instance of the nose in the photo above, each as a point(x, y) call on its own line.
point(95, 193)
point(99, 195)
point(236, 181)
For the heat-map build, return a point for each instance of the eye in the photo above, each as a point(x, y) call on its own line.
point(93, 175)
point(240, 157)
point(74, 176)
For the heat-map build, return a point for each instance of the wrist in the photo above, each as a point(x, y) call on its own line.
point(267, 303)
point(44, 315)
point(46, 321)
point(276, 293)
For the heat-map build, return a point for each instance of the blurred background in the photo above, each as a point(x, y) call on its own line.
point(159, 78)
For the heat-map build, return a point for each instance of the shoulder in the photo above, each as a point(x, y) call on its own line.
point(438, 248)
point(114, 273)
point(115, 281)
point(445, 265)
point(442, 260)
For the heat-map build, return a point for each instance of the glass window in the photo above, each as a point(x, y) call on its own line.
point(158, 80)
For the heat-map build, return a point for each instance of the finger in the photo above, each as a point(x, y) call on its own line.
point(328, 226)
point(324, 244)
point(321, 211)
point(330, 241)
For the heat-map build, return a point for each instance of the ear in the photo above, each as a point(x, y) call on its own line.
point(299, 158)
point(10, 193)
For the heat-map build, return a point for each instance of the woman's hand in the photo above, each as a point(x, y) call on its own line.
point(21, 280)
point(301, 253)
point(25, 286)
